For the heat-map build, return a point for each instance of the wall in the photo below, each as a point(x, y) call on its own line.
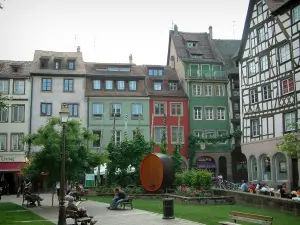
point(172, 121)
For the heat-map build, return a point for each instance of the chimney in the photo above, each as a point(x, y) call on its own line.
point(175, 29)
point(210, 32)
point(78, 48)
point(130, 58)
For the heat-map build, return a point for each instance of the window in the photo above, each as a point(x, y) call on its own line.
point(118, 137)
point(253, 168)
point(71, 64)
point(46, 109)
point(19, 87)
point(57, 64)
point(289, 121)
point(236, 106)
point(251, 69)
point(97, 110)
point(97, 142)
point(222, 134)
point(17, 142)
point(199, 134)
point(210, 134)
point(209, 113)
point(109, 85)
point(284, 53)
point(177, 135)
point(265, 163)
point(46, 84)
point(220, 90)
point(208, 90)
point(173, 86)
point(280, 165)
point(159, 108)
point(155, 72)
point(18, 113)
point(176, 109)
point(157, 85)
point(287, 86)
point(68, 85)
point(267, 92)
point(132, 85)
point(96, 84)
point(15, 69)
point(261, 35)
point(73, 110)
point(121, 85)
point(44, 63)
point(253, 96)
point(254, 128)
point(190, 44)
point(158, 134)
point(221, 113)
point(4, 87)
point(3, 142)
point(197, 90)
point(197, 113)
point(296, 14)
point(3, 115)
point(136, 110)
point(115, 110)
point(264, 63)
point(259, 9)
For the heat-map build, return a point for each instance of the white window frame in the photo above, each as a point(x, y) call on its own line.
point(255, 129)
point(174, 135)
point(97, 109)
point(209, 113)
point(253, 96)
point(266, 92)
point(284, 53)
point(197, 89)
point(47, 107)
point(177, 105)
point(3, 142)
point(288, 86)
point(118, 136)
point(161, 130)
point(4, 86)
point(20, 118)
point(289, 118)
point(220, 90)
point(18, 137)
point(96, 84)
point(109, 85)
point(221, 113)
point(259, 9)
point(251, 68)
point(219, 132)
point(157, 85)
point(19, 87)
point(115, 108)
point(164, 107)
point(261, 34)
point(210, 132)
point(132, 86)
point(173, 86)
point(264, 63)
point(208, 90)
point(198, 113)
point(296, 14)
point(121, 85)
point(136, 110)
point(4, 115)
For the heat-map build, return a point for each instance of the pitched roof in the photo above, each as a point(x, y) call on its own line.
point(64, 56)
point(6, 68)
point(203, 47)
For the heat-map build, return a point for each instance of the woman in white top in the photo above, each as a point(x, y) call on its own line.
point(58, 189)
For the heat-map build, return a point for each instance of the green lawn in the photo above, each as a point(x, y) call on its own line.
point(208, 214)
point(13, 218)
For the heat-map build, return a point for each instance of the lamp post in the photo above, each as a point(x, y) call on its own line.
point(64, 115)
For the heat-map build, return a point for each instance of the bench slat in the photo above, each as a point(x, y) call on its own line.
point(251, 216)
point(256, 221)
point(228, 223)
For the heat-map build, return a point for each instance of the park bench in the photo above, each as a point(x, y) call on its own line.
point(74, 215)
point(128, 202)
point(83, 194)
point(250, 218)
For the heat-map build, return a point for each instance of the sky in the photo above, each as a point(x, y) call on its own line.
point(111, 30)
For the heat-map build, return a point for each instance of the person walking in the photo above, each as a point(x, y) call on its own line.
point(57, 189)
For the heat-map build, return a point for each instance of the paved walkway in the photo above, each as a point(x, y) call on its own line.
point(100, 213)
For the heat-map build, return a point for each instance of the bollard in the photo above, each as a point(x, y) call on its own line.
point(168, 208)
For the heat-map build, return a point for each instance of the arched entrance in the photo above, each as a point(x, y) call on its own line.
point(239, 166)
point(223, 167)
point(206, 163)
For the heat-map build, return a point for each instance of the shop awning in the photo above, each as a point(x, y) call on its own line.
point(11, 166)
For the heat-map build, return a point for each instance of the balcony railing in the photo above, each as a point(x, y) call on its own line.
point(206, 75)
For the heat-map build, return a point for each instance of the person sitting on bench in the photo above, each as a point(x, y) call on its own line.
point(120, 196)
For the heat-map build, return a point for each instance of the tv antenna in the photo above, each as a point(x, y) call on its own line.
point(75, 41)
point(172, 27)
point(233, 28)
point(95, 47)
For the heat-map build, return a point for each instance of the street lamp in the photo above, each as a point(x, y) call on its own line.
point(64, 115)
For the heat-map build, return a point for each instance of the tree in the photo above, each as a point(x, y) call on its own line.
point(163, 143)
point(1, 4)
point(177, 158)
point(291, 142)
point(79, 158)
point(3, 102)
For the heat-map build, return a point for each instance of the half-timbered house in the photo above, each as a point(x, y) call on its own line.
point(270, 88)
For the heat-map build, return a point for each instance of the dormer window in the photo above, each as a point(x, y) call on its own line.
point(155, 72)
point(44, 63)
point(157, 85)
point(191, 44)
point(196, 56)
point(71, 64)
point(173, 85)
point(15, 68)
point(57, 64)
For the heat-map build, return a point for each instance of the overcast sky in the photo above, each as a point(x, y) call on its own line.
point(110, 30)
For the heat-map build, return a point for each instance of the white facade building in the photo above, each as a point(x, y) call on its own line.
point(269, 87)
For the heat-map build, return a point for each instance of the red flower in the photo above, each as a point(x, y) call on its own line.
point(201, 190)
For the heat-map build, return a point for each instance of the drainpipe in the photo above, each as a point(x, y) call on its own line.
point(30, 116)
point(88, 113)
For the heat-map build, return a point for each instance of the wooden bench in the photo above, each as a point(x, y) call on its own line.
point(74, 215)
point(246, 217)
point(83, 194)
point(128, 202)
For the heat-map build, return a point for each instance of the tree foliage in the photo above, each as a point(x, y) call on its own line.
point(163, 143)
point(291, 142)
point(1, 4)
point(177, 158)
point(79, 158)
point(3, 102)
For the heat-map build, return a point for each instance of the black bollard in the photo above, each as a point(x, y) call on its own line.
point(168, 208)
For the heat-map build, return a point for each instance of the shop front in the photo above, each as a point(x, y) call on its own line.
point(206, 163)
point(10, 167)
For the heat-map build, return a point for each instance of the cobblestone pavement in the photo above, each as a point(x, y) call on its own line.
point(100, 213)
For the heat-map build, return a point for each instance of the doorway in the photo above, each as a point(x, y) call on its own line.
point(295, 173)
point(9, 178)
point(223, 167)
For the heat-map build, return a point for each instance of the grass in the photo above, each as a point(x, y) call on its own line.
point(14, 218)
point(208, 214)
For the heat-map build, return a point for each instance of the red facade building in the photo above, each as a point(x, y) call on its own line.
point(168, 100)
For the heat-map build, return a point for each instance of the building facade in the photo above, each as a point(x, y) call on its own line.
point(15, 83)
point(168, 108)
point(201, 70)
point(57, 78)
point(269, 82)
point(116, 96)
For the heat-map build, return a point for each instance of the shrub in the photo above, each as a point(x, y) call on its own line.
point(194, 178)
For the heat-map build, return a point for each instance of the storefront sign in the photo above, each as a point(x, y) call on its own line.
point(7, 158)
point(206, 162)
point(12, 157)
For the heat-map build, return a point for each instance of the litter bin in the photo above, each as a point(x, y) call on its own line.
point(168, 208)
